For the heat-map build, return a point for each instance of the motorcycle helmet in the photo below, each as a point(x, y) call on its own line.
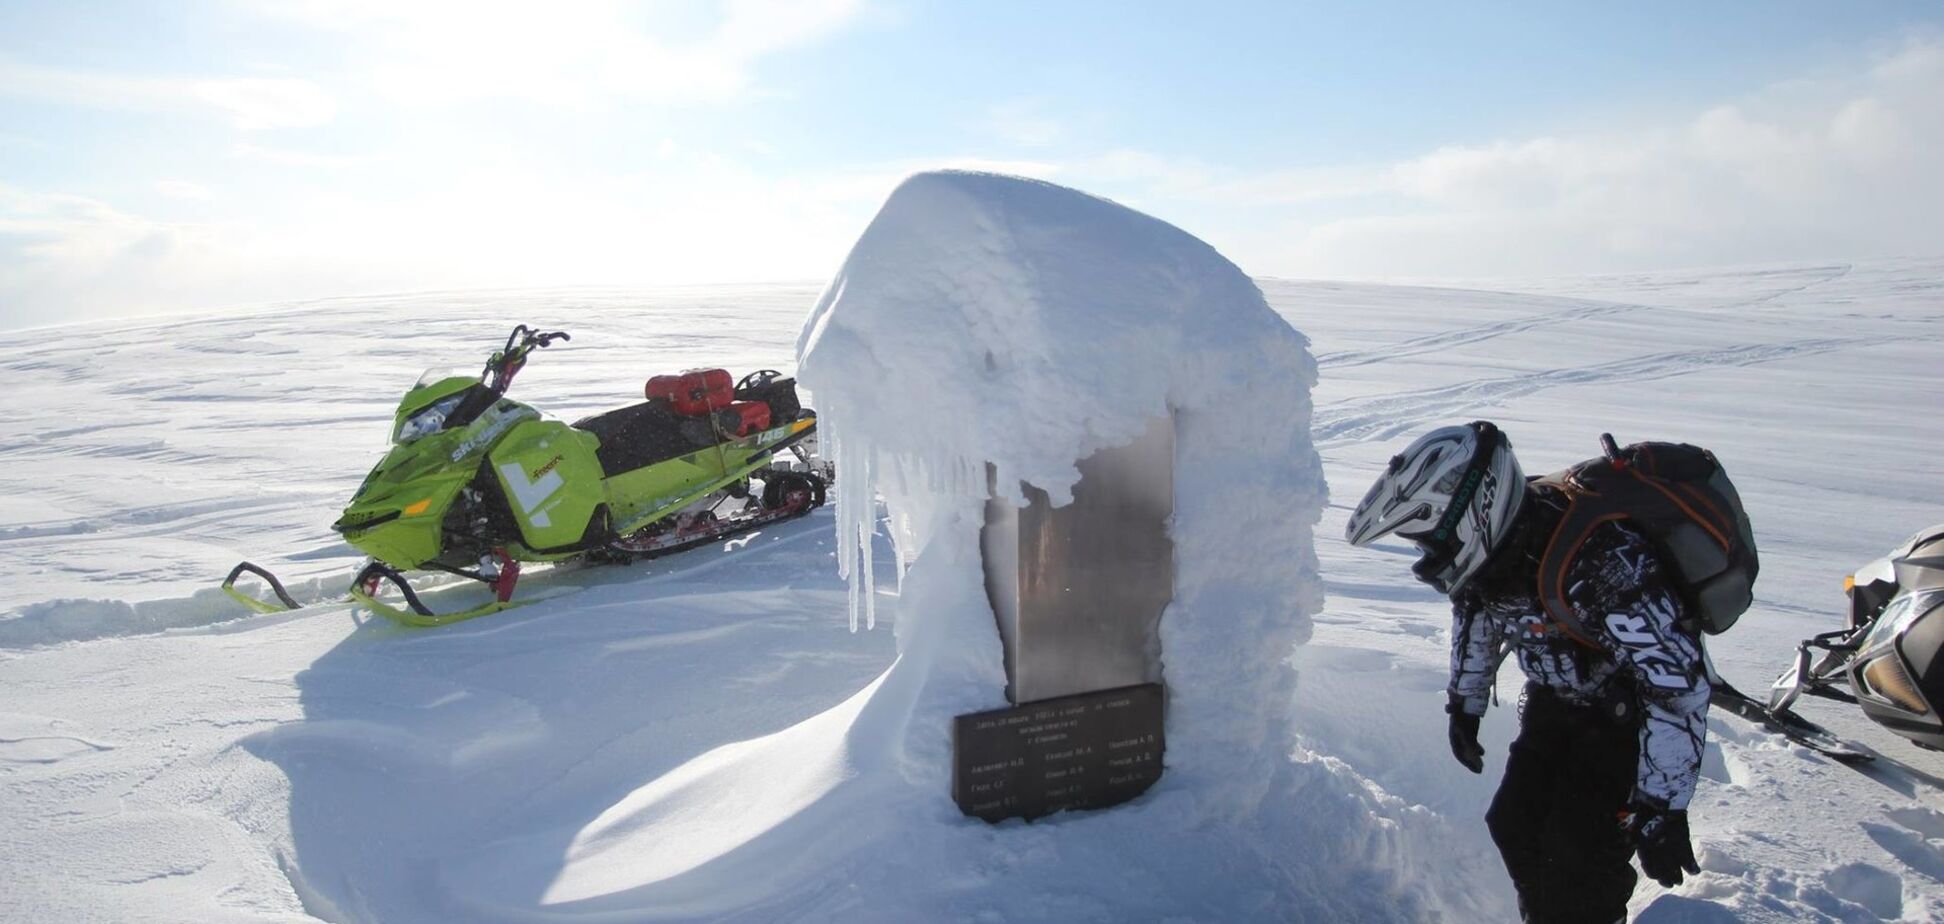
point(1455, 492)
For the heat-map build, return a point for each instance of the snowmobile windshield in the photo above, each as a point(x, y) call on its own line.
point(430, 420)
point(437, 374)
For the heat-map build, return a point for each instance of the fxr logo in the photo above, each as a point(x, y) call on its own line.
point(1647, 652)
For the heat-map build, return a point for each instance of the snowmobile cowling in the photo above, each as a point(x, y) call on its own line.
point(1890, 655)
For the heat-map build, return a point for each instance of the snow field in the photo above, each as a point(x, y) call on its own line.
point(682, 739)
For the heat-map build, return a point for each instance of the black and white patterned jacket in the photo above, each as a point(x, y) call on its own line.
point(1624, 596)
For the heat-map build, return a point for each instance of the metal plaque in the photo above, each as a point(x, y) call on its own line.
point(1078, 590)
point(1087, 751)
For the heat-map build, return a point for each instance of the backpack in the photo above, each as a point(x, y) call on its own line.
point(1679, 496)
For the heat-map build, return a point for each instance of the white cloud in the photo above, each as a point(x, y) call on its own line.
point(184, 189)
point(292, 157)
point(1809, 169)
point(694, 217)
point(55, 247)
point(1814, 168)
point(1152, 176)
point(248, 103)
point(435, 52)
point(265, 102)
point(1871, 133)
point(687, 216)
point(1024, 122)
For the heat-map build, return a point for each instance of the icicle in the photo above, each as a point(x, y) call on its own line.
point(866, 531)
point(856, 523)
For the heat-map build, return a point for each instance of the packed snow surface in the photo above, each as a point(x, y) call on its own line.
point(678, 739)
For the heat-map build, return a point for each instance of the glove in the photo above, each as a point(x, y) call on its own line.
point(1660, 836)
point(1464, 738)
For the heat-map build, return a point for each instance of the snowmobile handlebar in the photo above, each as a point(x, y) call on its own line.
point(529, 337)
point(506, 363)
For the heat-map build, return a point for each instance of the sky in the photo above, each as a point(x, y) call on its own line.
point(190, 156)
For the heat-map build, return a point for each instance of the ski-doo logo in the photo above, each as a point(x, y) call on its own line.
point(1647, 651)
point(497, 423)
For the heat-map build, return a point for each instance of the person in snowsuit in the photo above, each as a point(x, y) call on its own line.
point(1610, 738)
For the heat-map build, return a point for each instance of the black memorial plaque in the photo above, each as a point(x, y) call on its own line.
point(1089, 750)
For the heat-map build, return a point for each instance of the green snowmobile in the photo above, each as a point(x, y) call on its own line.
point(476, 483)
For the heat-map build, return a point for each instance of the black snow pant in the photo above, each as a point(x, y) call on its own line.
point(1556, 815)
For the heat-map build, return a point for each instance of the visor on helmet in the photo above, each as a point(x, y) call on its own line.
point(1437, 565)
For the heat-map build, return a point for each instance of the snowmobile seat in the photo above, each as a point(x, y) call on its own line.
point(638, 435)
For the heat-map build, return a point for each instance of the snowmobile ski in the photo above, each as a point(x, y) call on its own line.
point(372, 578)
point(284, 601)
point(1787, 723)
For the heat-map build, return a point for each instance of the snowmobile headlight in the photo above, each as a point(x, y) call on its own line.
point(1898, 616)
point(1887, 678)
point(428, 421)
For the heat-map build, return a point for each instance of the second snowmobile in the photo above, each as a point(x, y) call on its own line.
point(1890, 655)
point(476, 483)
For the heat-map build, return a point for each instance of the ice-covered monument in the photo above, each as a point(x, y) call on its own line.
point(987, 334)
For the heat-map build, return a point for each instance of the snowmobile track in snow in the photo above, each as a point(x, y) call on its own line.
point(1386, 417)
point(1431, 343)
